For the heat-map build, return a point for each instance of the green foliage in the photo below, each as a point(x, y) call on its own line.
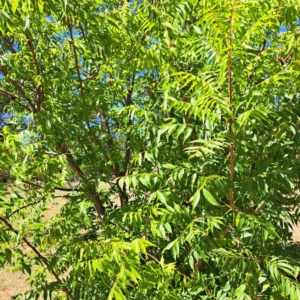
point(188, 111)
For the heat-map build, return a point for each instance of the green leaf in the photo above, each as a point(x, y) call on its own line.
point(118, 295)
point(187, 133)
point(169, 166)
point(265, 287)
point(167, 24)
point(209, 197)
point(14, 5)
point(197, 29)
point(162, 197)
point(195, 199)
point(240, 290)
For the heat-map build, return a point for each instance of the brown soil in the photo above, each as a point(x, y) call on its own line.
point(296, 233)
point(14, 282)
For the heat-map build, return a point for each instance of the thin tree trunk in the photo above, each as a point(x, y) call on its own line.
point(92, 192)
point(122, 194)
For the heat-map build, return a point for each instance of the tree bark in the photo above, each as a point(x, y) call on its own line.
point(92, 192)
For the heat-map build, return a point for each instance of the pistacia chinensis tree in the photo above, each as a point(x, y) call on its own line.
point(186, 111)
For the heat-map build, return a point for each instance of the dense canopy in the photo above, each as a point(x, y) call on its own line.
point(170, 128)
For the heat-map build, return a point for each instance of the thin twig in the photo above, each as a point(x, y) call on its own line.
point(153, 258)
point(33, 203)
point(128, 103)
point(293, 150)
point(260, 208)
point(70, 26)
point(263, 47)
point(39, 94)
point(24, 206)
point(285, 60)
point(56, 187)
point(76, 60)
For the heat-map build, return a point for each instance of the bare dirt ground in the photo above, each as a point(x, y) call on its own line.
point(11, 283)
point(296, 233)
point(14, 282)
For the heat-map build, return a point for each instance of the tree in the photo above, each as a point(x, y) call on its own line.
point(189, 110)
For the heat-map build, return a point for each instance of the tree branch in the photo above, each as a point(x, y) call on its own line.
point(263, 47)
point(230, 94)
point(22, 207)
point(43, 259)
point(22, 93)
point(9, 45)
point(4, 71)
point(259, 208)
point(70, 26)
point(285, 60)
point(39, 93)
point(128, 103)
point(13, 98)
point(56, 187)
point(92, 192)
point(33, 203)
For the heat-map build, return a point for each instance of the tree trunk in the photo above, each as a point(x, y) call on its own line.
point(95, 198)
point(122, 194)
